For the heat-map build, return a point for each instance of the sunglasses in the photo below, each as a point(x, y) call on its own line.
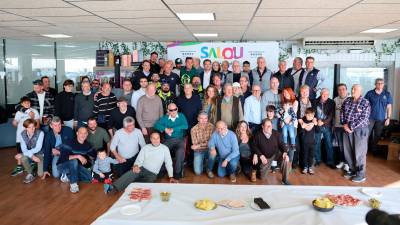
point(172, 110)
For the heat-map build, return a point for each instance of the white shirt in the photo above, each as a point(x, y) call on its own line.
point(135, 97)
point(41, 103)
point(128, 144)
point(152, 158)
point(20, 117)
point(173, 118)
point(206, 79)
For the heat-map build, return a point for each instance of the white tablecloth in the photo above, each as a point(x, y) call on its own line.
point(290, 205)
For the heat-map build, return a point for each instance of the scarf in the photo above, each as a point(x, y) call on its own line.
point(30, 142)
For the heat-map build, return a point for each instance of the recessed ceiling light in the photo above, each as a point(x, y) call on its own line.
point(56, 35)
point(378, 31)
point(205, 35)
point(196, 16)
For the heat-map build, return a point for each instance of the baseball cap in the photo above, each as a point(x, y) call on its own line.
point(37, 82)
point(178, 61)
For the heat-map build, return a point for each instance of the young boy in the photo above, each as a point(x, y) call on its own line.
point(25, 113)
point(102, 167)
point(271, 109)
point(308, 137)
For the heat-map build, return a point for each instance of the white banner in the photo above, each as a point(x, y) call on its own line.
point(219, 51)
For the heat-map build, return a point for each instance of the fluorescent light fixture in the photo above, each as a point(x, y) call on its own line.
point(206, 35)
point(35, 54)
point(196, 16)
point(56, 35)
point(44, 45)
point(69, 46)
point(378, 31)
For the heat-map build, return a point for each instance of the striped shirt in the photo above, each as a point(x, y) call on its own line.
point(103, 106)
point(355, 113)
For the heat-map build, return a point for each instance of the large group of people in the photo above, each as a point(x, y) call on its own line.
point(168, 115)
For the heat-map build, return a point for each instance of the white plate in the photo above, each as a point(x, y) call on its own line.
point(255, 206)
point(371, 192)
point(130, 210)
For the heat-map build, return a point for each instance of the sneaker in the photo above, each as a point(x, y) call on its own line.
point(346, 167)
point(108, 181)
point(210, 174)
point(233, 178)
point(29, 178)
point(74, 188)
point(17, 170)
point(304, 171)
point(349, 175)
point(253, 176)
point(358, 179)
point(311, 171)
point(340, 165)
point(64, 178)
point(109, 189)
point(95, 181)
point(286, 182)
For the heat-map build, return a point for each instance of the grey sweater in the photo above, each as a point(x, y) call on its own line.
point(149, 110)
point(103, 166)
point(83, 107)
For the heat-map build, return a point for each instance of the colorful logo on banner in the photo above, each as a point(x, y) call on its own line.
point(221, 53)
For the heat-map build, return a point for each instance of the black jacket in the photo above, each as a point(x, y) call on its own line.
point(136, 78)
point(285, 80)
point(65, 105)
point(328, 109)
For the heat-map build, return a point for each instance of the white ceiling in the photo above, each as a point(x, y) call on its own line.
point(155, 20)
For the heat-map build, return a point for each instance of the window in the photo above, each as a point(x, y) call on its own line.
point(364, 76)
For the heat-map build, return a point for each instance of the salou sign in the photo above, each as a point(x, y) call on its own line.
point(230, 51)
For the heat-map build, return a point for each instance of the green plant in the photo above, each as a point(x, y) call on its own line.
point(115, 48)
point(125, 49)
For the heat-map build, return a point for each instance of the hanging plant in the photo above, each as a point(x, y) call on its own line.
point(125, 49)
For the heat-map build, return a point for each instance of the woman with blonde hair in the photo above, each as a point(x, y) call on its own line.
point(243, 134)
point(210, 103)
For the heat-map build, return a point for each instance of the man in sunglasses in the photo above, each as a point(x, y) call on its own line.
point(174, 126)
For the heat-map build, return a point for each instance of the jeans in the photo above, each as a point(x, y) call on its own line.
point(198, 161)
point(129, 177)
point(54, 169)
point(339, 132)
point(177, 148)
point(375, 132)
point(222, 171)
point(326, 133)
point(289, 128)
point(75, 171)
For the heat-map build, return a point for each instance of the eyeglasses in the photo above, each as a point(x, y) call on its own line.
point(173, 110)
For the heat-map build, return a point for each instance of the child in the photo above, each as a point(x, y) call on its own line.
point(308, 137)
point(288, 115)
point(31, 147)
point(102, 167)
point(271, 115)
point(25, 113)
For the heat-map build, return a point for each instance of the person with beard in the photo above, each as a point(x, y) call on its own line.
point(166, 95)
point(197, 88)
point(97, 136)
point(170, 77)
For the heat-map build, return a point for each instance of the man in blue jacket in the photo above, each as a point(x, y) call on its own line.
point(53, 140)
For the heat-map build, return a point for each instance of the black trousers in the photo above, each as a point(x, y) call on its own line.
point(375, 132)
point(308, 154)
point(121, 168)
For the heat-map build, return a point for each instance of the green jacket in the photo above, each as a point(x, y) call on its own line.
point(180, 125)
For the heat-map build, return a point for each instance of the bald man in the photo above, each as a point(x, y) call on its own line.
point(354, 116)
point(75, 157)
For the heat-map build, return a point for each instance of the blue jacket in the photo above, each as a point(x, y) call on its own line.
point(50, 142)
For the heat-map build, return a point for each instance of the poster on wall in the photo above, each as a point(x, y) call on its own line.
point(230, 51)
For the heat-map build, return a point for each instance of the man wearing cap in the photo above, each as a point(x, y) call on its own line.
point(167, 96)
point(170, 77)
point(42, 101)
point(178, 65)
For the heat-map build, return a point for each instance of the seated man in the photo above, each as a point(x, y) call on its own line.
point(125, 145)
point(267, 147)
point(225, 142)
point(74, 155)
point(147, 165)
point(174, 126)
point(53, 140)
point(200, 134)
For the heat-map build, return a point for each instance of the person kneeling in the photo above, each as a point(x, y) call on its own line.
point(146, 167)
point(268, 146)
point(226, 143)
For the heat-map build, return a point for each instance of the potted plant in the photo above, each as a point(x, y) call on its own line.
point(126, 57)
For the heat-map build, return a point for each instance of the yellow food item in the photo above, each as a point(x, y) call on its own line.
point(205, 204)
point(374, 203)
point(324, 203)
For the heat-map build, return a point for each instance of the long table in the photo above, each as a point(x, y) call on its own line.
point(290, 205)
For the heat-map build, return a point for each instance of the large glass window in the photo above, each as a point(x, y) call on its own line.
point(75, 60)
point(364, 76)
point(27, 61)
point(2, 76)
